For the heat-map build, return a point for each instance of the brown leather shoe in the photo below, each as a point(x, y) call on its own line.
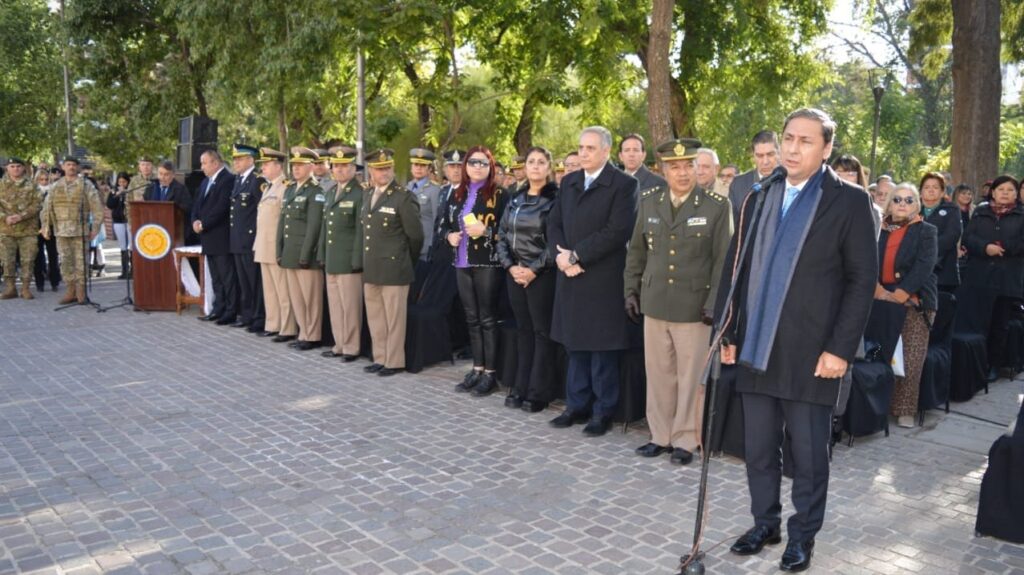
point(9, 291)
point(80, 292)
point(26, 293)
point(69, 297)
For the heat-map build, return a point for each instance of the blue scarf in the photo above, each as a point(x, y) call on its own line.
point(777, 248)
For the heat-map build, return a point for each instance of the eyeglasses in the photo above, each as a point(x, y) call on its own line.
point(908, 200)
point(475, 163)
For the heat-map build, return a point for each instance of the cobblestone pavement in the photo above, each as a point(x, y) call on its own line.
point(152, 443)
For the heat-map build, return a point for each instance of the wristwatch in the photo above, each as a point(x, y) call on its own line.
point(573, 258)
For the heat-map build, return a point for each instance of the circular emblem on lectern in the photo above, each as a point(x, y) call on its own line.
point(152, 241)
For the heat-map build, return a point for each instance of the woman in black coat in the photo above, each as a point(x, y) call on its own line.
point(995, 251)
point(119, 216)
point(470, 224)
point(945, 216)
point(907, 250)
point(524, 252)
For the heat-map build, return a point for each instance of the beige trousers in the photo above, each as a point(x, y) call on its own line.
point(674, 355)
point(345, 299)
point(280, 317)
point(306, 294)
point(386, 308)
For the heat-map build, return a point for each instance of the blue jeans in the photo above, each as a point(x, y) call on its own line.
point(593, 382)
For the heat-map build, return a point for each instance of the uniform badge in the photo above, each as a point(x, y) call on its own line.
point(697, 222)
point(300, 199)
point(942, 212)
point(387, 210)
point(423, 197)
point(653, 220)
point(320, 198)
point(348, 204)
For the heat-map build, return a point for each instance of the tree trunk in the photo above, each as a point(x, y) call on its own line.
point(423, 109)
point(659, 78)
point(680, 110)
point(523, 137)
point(977, 90)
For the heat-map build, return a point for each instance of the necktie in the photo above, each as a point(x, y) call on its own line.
point(415, 186)
point(791, 193)
point(586, 182)
point(209, 184)
point(163, 193)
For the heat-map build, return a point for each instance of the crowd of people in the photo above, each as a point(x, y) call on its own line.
point(592, 256)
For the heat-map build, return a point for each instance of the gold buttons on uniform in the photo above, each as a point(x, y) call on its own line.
point(671, 267)
point(671, 252)
point(671, 281)
point(672, 237)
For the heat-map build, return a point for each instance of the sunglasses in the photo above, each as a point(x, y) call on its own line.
point(475, 163)
point(909, 200)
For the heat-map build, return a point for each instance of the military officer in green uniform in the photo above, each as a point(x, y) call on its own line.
point(74, 210)
point(20, 202)
point(341, 254)
point(298, 234)
point(392, 240)
point(674, 261)
point(136, 191)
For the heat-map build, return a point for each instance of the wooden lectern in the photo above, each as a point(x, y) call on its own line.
point(158, 229)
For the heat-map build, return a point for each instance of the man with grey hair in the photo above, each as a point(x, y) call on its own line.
point(588, 229)
point(210, 212)
point(803, 295)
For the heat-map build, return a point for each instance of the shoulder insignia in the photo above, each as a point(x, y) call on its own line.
point(714, 197)
point(650, 192)
point(264, 186)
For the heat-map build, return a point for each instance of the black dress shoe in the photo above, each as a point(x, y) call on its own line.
point(797, 556)
point(681, 456)
point(329, 354)
point(469, 381)
point(389, 371)
point(754, 540)
point(597, 426)
point(513, 401)
point(253, 328)
point(282, 338)
point(533, 406)
point(373, 368)
point(210, 317)
point(306, 345)
point(348, 358)
point(225, 321)
point(294, 343)
point(486, 385)
point(267, 333)
point(567, 419)
point(240, 323)
point(652, 450)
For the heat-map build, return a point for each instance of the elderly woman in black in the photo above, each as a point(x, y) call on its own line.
point(470, 224)
point(995, 260)
point(945, 216)
point(523, 251)
point(907, 253)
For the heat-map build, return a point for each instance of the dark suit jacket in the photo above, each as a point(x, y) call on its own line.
point(647, 179)
point(738, 190)
point(1002, 274)
point(245, 198)
point(946, 218)
point(176, 192)
point(211, 209)
point(915, 263)
point(828, 302)
point(597, 223)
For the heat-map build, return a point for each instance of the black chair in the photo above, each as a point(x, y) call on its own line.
point(727, 431)
point(867, 411)
point(428, 337)
point(1001, 502)
point(938, 362)
point(971, 321)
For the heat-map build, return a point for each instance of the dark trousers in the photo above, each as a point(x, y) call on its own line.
point(478, 290)
point(1004, 310)
point(47, 263)
point(593, 382)
point(808, 426)
point(250, 290)
point(225, 286)
point(533, 307)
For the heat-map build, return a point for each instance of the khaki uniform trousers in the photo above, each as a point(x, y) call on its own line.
point(306, 294)
point(72, 260)
point(280, 317)
point(345, 299)
point(386, 308)
point(9, 248)
point(674, 355)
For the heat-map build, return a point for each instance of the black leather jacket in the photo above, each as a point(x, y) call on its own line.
point(522, 235)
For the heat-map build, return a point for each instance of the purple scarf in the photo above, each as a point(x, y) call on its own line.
point(462, 256)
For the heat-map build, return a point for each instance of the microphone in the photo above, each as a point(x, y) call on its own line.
point(777, 175)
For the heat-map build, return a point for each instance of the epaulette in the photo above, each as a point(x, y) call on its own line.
point(715, 197)
point(650, 192)
point(264, 186)
point(286, 182)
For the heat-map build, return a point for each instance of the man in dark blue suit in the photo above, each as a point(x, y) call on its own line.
point(245, 196)
point(588, 229)
point(210, 221)
point(801, 303)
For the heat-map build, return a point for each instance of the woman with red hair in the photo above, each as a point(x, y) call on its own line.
point(470, 224)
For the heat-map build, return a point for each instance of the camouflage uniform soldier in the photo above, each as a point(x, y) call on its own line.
point(20, 201)
point(137, 187)
point(68, 208)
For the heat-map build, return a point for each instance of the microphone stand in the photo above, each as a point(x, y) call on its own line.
point(693, 562)
point(127, 301)
point(85, 257)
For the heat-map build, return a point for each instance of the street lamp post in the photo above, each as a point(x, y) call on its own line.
point(878, 91)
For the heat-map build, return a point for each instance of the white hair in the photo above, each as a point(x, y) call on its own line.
point(710, 152)
point(602, 132)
